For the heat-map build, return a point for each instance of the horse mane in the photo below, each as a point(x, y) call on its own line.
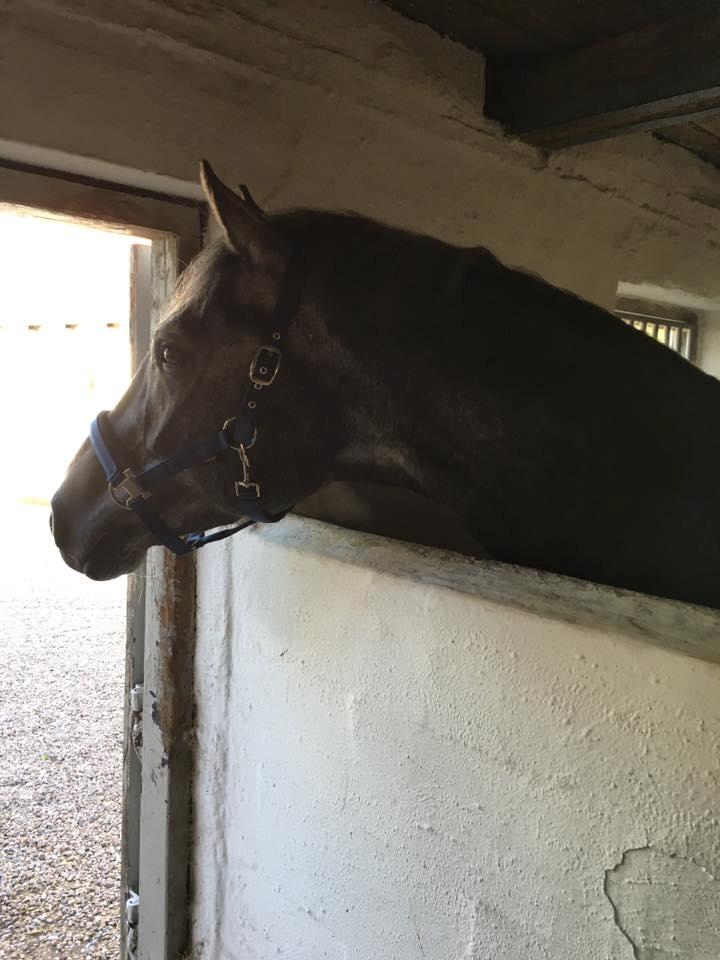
point(417, 292)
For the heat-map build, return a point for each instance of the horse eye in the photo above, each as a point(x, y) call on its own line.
point(170, 355)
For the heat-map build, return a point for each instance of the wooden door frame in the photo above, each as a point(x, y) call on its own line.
point(161, 594)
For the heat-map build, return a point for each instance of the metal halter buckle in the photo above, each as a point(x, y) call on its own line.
point(130, 486)
point(265, 365)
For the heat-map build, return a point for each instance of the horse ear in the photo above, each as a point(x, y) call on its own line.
point(248, 198)
point(246, 228)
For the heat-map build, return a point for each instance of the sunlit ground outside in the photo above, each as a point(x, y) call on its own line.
point(64, 354)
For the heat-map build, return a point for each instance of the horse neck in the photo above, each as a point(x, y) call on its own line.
point(389, 338)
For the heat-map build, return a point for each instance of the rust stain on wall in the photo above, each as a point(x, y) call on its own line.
point(176, 618)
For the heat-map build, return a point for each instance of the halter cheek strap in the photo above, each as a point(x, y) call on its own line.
point(239, 433)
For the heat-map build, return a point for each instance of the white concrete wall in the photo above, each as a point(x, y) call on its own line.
point(402, 754)
point(349, 105)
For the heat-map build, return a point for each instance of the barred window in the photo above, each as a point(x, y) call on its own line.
point(675, 327)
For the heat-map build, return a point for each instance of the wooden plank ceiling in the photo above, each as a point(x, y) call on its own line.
point(561, 72)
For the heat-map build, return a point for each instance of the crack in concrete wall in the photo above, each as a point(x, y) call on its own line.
point(666, 906)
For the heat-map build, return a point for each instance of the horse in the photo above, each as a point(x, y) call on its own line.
point(315, 347)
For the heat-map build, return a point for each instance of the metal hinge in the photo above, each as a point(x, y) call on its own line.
point(136, 719)
point(132, 918)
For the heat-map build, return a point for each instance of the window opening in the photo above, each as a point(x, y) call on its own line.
point(675, 327)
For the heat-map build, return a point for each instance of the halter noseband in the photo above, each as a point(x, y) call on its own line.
point(133, 491)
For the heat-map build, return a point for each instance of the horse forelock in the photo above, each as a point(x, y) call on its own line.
point(200, 280)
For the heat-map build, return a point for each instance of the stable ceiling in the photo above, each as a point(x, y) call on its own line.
point(561, 72)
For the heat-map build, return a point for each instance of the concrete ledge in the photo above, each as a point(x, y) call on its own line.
point(402, 748)
point(688, 629)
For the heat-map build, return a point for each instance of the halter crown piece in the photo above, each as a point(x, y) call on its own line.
point(239, 433)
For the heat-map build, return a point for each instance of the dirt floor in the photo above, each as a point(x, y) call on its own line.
point(61, 707)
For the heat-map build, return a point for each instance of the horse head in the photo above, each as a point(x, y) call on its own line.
point(217, 386)
point(308, 346)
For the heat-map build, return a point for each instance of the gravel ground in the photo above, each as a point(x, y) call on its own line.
point(61, 706)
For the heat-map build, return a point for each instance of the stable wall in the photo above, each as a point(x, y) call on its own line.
point(346, 105)
point(405, 754)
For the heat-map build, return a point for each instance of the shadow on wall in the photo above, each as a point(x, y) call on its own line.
point(390, 512)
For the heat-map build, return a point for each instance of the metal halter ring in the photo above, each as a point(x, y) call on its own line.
point(239, 446)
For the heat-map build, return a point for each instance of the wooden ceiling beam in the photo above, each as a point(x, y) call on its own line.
point(645, 79)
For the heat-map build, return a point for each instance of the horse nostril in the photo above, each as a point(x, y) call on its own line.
point(50, 518)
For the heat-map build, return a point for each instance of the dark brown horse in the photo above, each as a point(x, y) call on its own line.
point(557, 436)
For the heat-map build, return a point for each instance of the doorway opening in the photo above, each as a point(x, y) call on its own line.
point(65, 353)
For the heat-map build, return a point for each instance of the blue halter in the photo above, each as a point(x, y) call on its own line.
point(133, 491)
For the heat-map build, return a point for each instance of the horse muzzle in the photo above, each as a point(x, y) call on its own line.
point(92, 535)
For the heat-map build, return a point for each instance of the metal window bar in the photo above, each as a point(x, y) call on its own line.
point(678, 335)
